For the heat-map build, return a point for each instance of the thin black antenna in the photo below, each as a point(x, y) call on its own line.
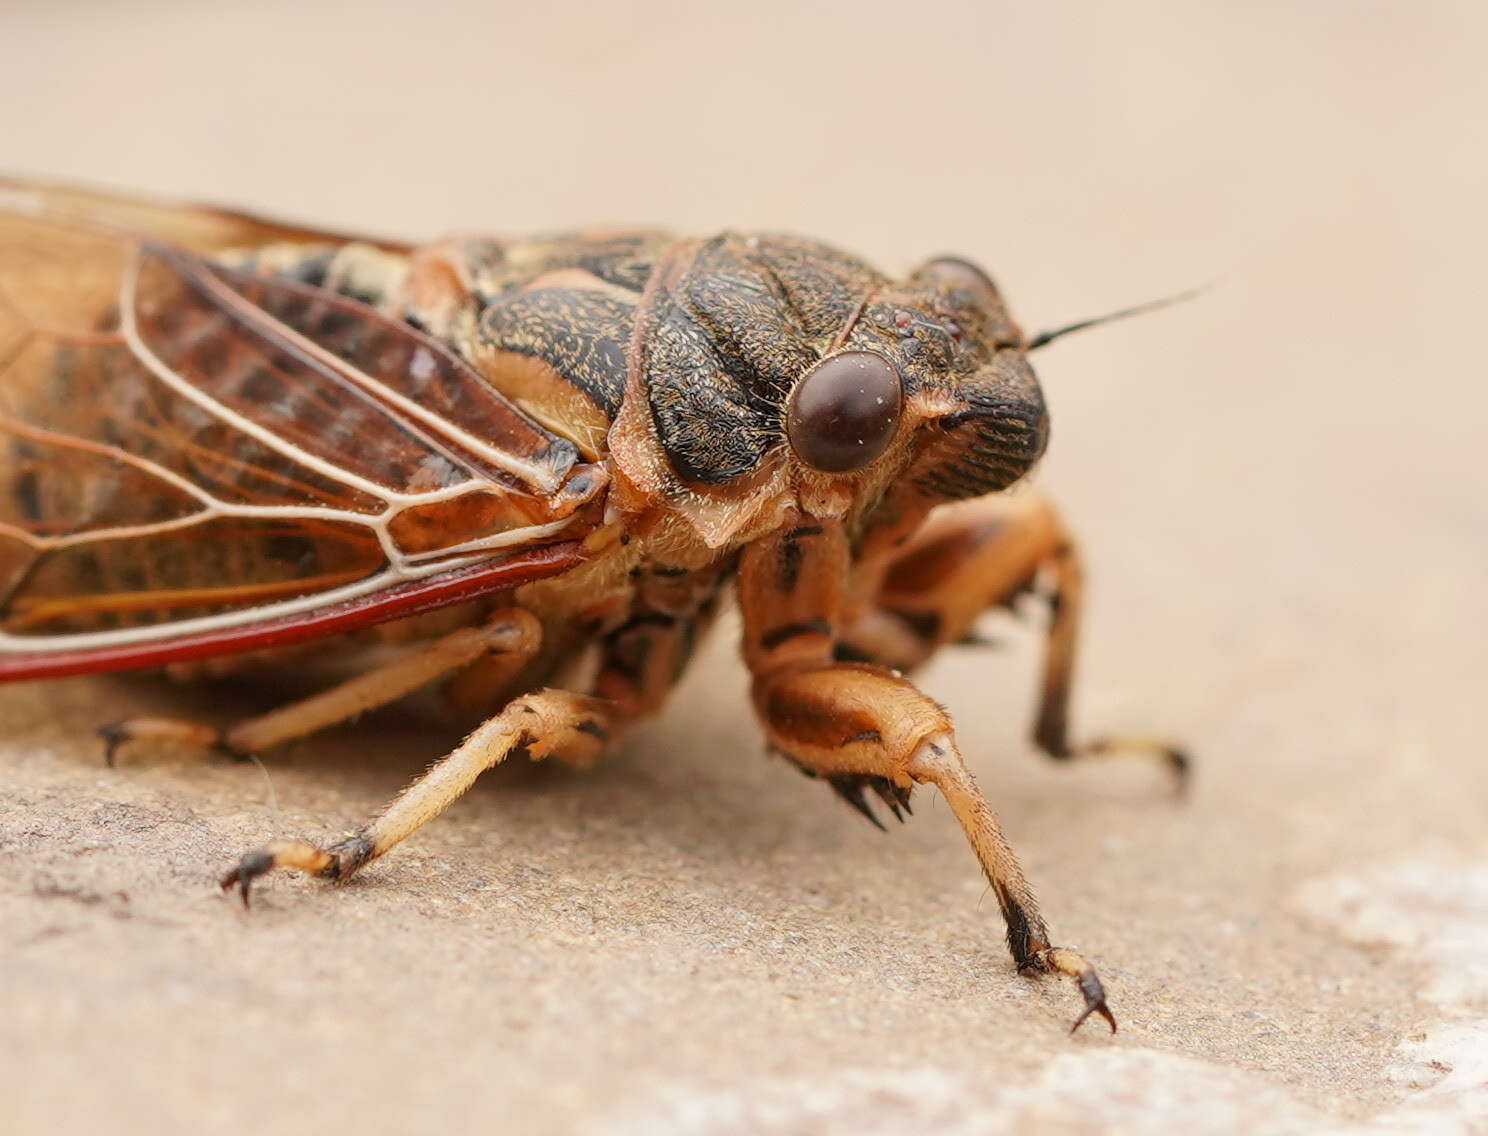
point(1045, 337)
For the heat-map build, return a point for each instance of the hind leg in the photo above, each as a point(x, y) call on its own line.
point(547, 723)
point(987, 554)
point(511, 636)
point(639, 664)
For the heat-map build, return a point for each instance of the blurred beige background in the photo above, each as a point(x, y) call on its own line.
point(1281, 488)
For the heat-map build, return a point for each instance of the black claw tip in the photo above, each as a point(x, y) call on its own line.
point(1181, 766)
point(113, 736)
point(1095, 1001)
point(249, 868)
point(1102, 1010)
point(235, 877)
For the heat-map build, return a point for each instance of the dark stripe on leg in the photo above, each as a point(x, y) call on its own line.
point(788, 631)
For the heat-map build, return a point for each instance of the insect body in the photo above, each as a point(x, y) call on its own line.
point(221, 435)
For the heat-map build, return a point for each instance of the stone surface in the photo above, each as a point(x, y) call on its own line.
point(1281, 491)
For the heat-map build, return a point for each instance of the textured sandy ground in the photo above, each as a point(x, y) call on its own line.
point(1281, 488)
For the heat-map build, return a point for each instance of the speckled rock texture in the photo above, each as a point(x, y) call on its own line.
point(1280, 487)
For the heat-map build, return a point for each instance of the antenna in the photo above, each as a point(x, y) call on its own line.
point(1046, 337)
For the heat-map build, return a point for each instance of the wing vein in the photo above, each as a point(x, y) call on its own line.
point(530, 472)
point(224, 414)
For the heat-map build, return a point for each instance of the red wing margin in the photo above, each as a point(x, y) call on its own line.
point(330, 619)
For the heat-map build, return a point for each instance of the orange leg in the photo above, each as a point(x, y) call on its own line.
point(981, 555)
point(640, 662)
point(864, 726)
point(547, 723)
point(510, 637)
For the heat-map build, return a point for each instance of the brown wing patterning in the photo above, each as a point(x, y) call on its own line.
point(187, 448)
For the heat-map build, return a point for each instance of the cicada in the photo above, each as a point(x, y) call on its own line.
point(537, 466)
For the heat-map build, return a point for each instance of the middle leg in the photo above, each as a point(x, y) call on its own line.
point(988, 554)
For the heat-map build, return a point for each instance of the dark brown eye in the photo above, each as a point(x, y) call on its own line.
point(842, 414)
point(953, 272)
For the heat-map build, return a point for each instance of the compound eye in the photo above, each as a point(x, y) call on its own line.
point(842, 414)
point(962, 275)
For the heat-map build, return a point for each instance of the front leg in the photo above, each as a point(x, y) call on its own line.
point(857, 724)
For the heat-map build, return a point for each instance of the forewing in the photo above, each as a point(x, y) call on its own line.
point(203, 229)
point(187, 449)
